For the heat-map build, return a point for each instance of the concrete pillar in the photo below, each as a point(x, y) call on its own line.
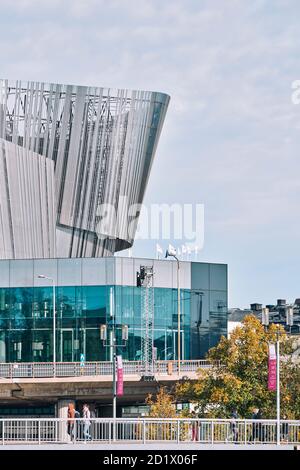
point(62, 412)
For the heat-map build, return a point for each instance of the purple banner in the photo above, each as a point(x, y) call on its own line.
point(120, 390)
point(272, 368)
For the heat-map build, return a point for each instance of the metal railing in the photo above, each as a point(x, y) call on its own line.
point(97, 430)
point(76, 369)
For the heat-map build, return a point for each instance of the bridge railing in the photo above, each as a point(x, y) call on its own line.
point(96, 430)
point(76, 369)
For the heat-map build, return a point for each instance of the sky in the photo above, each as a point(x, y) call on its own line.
point(231, 137)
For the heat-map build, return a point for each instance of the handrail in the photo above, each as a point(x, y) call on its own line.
point(77, 369)
point(143, 430)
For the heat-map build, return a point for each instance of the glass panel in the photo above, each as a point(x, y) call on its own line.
point(21, 273)
point(26, 318)
point(93, 271)
point(200, 276)
point(45, 267)
point(4, 273)
point(66, 346)
point(218, 276)
point(69, 272)
point(217, 317)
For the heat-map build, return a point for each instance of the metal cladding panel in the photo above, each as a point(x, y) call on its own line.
point(102, 142)
point(27, 225)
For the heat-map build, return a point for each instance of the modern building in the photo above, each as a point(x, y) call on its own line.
point(73, 159)
point(74, 166)
point(94, 291)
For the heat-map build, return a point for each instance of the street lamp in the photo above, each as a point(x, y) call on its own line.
point(172, 253)
point(266, 322)
point(42, 276)
point(113, 346)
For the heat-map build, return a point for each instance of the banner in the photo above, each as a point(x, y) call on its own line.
point(119, 376)
point(272, 368)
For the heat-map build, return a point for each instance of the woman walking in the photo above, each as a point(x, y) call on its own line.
point(86, 414)
point(71, 420)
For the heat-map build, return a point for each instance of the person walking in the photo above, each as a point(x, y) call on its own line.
point(234, 426)
point(285, 429)
point(194, 427)
point(256, 427)
point(71, 420)
point(86, 414)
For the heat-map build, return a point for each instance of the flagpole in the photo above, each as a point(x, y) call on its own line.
point(278, 388)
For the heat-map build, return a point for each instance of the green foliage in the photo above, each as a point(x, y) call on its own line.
point(240, 382)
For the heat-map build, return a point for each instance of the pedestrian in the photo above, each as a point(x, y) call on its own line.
point(86, 414)
point(261, 427)
point(257, 428)
point(234, 426)
point(285, 429)
point(194, 427)
point(255, 433)
point(71, 420)
point(76, 429)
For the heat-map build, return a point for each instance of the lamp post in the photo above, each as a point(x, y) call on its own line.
point(42, 276)
point(266, 322)
point(172, 252)
point(113, 347)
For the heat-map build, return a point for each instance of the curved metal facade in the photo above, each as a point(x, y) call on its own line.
point(101, 142)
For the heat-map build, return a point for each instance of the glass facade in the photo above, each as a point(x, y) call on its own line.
point(26, 310)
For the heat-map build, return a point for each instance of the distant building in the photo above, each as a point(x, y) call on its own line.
point(277, 314)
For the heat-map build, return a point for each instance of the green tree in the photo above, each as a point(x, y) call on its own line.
point(238, 379)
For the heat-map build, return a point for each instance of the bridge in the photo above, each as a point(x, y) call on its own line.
point(37, 370)
point(49, 382)
point(173, 433)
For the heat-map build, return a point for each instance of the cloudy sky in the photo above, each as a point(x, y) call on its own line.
point(231, 136)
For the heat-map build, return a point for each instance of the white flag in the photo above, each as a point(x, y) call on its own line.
point(172, 250)
point(159, 249)
point(183, 249)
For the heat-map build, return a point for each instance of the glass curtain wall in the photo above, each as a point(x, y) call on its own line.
point(26, 322)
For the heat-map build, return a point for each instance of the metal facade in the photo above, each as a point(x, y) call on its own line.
point(27, 222)
point(101, 142)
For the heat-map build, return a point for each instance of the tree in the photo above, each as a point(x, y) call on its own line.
point(238, 379)
point(162, 405)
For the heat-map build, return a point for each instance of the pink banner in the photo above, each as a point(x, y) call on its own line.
point(272, 368)
point(120, 390)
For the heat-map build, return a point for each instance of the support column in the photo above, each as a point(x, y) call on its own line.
point(62, 426)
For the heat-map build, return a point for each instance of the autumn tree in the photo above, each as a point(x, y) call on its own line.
point(238, 378)
point(161, 405)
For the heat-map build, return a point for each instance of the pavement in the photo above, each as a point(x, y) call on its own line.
point(153, 447)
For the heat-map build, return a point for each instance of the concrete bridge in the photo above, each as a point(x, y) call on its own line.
point(46, 382)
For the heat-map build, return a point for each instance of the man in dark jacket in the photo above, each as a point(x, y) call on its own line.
point(234, 425)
